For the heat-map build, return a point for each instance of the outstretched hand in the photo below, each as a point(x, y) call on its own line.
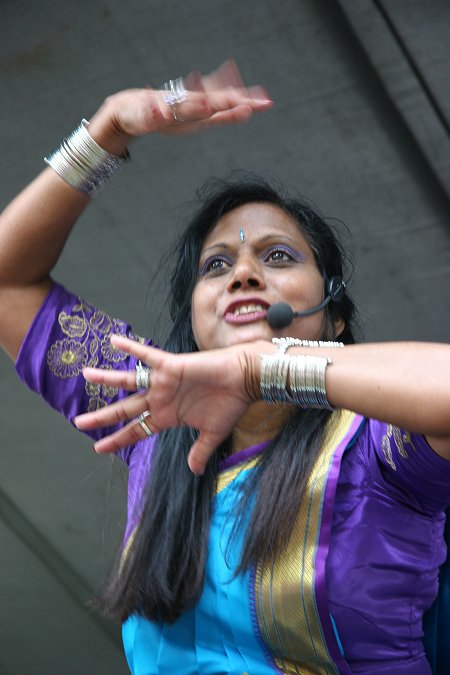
point(207, 390)
point(218, 98)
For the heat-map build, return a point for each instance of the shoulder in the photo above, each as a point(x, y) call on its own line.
point(404, 463)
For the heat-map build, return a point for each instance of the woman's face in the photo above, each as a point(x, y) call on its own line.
point(254, 257)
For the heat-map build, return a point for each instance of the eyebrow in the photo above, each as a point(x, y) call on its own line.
point(267, 238)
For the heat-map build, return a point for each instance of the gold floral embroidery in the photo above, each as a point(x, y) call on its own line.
point(88, 330)
point(66, 358)
point(101, 322)
point(401, 438)
point(73, 326)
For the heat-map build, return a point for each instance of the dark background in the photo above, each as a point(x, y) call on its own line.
point(360, 127)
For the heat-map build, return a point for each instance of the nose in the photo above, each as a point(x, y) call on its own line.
point(247, 273)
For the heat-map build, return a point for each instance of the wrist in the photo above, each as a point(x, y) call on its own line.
point(253, 367)
point(297, 379)
point(106, 131)
point(83, 163)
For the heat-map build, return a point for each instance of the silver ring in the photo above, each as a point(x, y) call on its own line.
point(141, 420)
point(174, 92)
point(142, 376)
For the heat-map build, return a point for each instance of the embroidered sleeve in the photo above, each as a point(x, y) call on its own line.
point(68, 334)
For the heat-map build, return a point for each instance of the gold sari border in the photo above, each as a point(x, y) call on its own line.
point(226, 477)
point(290, 597)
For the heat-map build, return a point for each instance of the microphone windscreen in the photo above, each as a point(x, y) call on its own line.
point(280, 315)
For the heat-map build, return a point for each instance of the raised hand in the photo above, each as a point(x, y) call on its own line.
point(218, 98)
point(208, 390)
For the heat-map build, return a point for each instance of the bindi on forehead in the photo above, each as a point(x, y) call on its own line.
point(253, 224)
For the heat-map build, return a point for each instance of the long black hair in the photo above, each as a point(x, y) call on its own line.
point(163, 571)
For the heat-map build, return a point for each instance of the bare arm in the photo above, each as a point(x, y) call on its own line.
point(405, 383)
point(33, 231)
point(35, 226)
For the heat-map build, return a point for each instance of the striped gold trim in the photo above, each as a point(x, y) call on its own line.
point(126, 549)
point(285, 594)
point(228, 476)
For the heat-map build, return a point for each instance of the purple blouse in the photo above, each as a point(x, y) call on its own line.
point(386, 541)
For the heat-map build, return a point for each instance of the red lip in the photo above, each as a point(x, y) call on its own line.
point(230, 317)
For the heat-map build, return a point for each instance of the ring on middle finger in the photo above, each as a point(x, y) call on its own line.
point(174, 92)
point(142, 376)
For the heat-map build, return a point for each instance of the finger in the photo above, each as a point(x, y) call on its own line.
point(121, 379)
point(235, 116)
point(258, 93)
point(226, 75)
point(201, 451)
point(201, 106)
point(230, 74)
point(150, 355)
point(194, 81)
point(206, 105)
point(113, 414)
point(131, 434)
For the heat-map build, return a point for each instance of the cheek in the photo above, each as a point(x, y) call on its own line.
point(194, 315)
point(199, 317)
point(303, 287)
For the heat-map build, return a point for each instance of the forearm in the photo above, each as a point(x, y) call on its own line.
point(406, 383)
point(33, 231)
point(35, 226)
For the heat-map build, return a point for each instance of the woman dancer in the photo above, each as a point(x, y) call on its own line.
point(286, 487)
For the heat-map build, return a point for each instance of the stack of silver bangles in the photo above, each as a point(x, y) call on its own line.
point(306, 375)
point(83, 163)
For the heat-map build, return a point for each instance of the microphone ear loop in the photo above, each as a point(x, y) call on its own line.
point(335, 288)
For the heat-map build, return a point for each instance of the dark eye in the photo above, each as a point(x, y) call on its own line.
point(216, 264)
point(213, 266)
point(279, 255)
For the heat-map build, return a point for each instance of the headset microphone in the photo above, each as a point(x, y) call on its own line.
point(281, 315)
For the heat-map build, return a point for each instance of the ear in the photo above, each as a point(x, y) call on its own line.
point(339, 326)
